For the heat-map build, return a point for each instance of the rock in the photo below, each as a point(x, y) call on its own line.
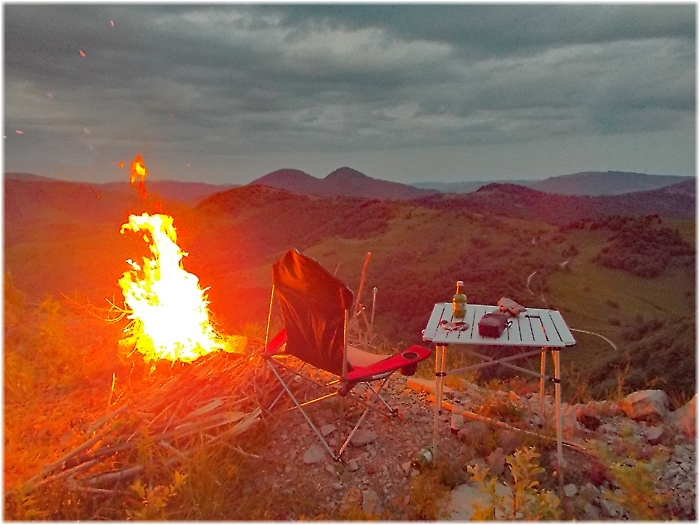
point(591, 512)
point(363, 437)
point(508, 440)
point(477, 462)
point(352, 465)
point(611, 508)
point(588, 417)
point(327, 429)
point(467, 452)
point(655, 435)
point(589, 493)
point(462, 500)
point(685, 467)
point(532, 419)
point(496, 462)
point(684, 419)
point(473, 432)
point(687, 504)
point(608, 429)
point(314, 454)
point(686, 486)
point(330, 469)
point(404, 415)
point(371, 504)
point(373, 467)
point(647, 405)
point(464, 497)
point(605, 408)
point(570, 490)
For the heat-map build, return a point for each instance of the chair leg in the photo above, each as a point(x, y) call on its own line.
point(303, 413)
point(390, 411)
point(352, 433)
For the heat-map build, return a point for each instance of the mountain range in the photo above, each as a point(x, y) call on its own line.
point(348, 182)
point(343, 181)
point(504, 240)
point(593, 183)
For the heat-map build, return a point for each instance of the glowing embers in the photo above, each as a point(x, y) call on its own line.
point(167, 307)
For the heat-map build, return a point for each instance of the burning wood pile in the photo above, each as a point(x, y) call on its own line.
point(204, 388)
point(210, 401)
point(206, 396)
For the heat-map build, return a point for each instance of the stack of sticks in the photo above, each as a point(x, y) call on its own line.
point(211, 400)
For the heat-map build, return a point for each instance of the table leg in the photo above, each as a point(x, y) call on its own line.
point(543, 368)
point(557, 393)
point(439, 382)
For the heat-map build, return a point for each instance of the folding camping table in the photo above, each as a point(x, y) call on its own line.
point(544, 329)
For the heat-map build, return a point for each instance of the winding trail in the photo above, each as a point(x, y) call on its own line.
point(544, 301)
point(593, 333)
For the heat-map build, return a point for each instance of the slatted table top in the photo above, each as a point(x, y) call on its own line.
point(534, 327)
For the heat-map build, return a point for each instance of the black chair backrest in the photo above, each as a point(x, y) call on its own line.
point(313, 304)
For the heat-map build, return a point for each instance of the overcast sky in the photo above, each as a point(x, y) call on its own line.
point(226, 93)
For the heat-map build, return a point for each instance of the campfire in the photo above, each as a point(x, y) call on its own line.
point(210, 398)
point(167, 308)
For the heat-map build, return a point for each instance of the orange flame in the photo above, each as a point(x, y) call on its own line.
point(169, 314)
point(138, 172)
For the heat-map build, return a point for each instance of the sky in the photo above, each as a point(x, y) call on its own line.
point(226, 93)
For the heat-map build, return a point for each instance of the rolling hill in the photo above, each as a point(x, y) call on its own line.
point(63, 239)
point(186, 192)
point(597, 183)
point(343, 181)
point(590, 183)
point(676, 201)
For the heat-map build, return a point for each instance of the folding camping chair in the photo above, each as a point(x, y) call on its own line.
point(314, 305)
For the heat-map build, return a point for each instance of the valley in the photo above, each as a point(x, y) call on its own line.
point(63, 240)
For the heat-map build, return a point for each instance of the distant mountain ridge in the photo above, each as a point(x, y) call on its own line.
point(511, 200)
point(596, 183)
point(27, 176)
point(187, 192)
point(344, 181)
point(467, 186)
point(349, 182)
point(591, 183)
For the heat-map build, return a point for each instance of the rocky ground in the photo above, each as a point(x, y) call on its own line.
point(375, 477)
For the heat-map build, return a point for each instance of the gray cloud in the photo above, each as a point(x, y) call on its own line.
point(249, 81)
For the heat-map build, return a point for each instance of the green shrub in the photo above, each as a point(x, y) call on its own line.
point(526, 501)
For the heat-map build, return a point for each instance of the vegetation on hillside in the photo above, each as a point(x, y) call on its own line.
point(419, 249)
point(640, 245)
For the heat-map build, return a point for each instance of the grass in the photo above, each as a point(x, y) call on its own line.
point(56, 359)
point(216, 482)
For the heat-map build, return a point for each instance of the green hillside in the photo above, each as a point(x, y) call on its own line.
point(418, 252)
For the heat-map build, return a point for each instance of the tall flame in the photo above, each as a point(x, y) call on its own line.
point(168, 308)
point(138, 172)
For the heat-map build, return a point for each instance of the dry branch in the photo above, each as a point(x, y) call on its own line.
point(205, 402)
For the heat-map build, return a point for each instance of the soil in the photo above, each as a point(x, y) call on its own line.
point(375, 479)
